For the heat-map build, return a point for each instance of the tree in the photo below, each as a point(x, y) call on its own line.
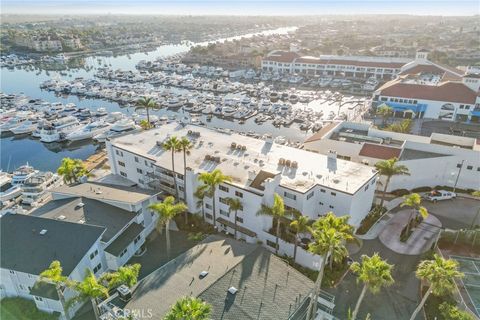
point(185, 146)
point(375, 273)
point(189, 308)
point(440, 275)
point(277, 212)
point(54, 274)
point(385, 112)
point(147, 103)
point(72, 170)
point(329, 234)
point(213, 180)
point(89, 289)
point(414, 201)
point(200, 193)
point(166, 211)
point(299, 225)
point(127, 275)
point(172, 144)
point(390, 168)
point(234, 205)
point(452, 312)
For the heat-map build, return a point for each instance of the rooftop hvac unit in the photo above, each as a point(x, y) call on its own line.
point(232, 290)
point(239, 147)
point(294, 164)
point(124, 293)
point(288, 163)
point(244, 148)
point(233, 145)
point(281, 161)
point(207, 157)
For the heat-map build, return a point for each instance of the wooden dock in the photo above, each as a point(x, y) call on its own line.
point(96, 160)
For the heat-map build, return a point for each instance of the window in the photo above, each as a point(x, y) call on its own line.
point(121, 163)
point(180, 188)
point(146, 163)
point(223, 200)
point(239, 194)
point(224, 213)
point(333, 194)
point(119, 153)
point(93, 254)
point(137, 239)
point(331, 207)
point(123, 174)
point(223, 188)
point(139, 171)
point(179, 176)
point(310, 195)
point(290, 195)
point(209, 216)
point(12, 272)
point(38, 298)
point(272, 244)
point(208, 206)
point(320, 203)
point(136, 159)
point(322, 190)
point(478, 168)
point(97, 268)
point(123, 252)
point(373, 182)
point(141, 181)
point(469, 167)
point(459, 165)
point(240, 219)
point(366, 187)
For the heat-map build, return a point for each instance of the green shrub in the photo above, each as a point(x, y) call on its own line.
point(370, 219)
point(400, 192)
point(421, 189)
point(449, 311)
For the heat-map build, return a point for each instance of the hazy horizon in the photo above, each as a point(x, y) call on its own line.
point(232, 7)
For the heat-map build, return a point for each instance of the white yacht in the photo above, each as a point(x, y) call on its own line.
point(58, 129)
point(21, 174)
point(12, 123)
point(174, 102)
point(228, 111)
point(120, 128)
point(34, 190)
point(89, 131)
point(26, 127)
point(7, 190)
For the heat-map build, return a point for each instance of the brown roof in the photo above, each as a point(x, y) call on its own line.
point(449, 91)
point(322, 132)
point(282, 56)
point(260, 178)
point(373, 64)
point(379, 152)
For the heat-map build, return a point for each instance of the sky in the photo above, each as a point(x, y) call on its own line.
point(245, 7)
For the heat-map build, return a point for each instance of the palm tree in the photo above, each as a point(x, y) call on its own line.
point(440, 274)
point(200, 193)
point(147, 103)
point(127, 275)
point(89, 288)
point(375, 273)
point(213, 180)
point(166, 211)
point(234, 205)
point(189, 308)
point(390, 168)
point(185, 146)
point(414, 201)
point(54, 275)
point(72, 170)
point(277, 212)
point(329, 235)
point(172, 144)
point(385, 112)
point(299, 225)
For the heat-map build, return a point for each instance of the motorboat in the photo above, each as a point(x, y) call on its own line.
point(88, 131)
point(34, 190)
point(21, 174)
point(120, 128)
point(8, 191)
point(26, 127)
point(174, 103)
point(57, 130)
point(12, 123)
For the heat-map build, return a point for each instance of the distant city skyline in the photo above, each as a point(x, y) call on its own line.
point(233, 7)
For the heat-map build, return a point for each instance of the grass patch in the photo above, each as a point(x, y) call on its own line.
point(22, 309)
point(370, 219)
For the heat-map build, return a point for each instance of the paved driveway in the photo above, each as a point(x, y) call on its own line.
point(456, 213)
point(394, 303)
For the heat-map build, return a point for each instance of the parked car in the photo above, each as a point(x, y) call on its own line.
point(437, 195)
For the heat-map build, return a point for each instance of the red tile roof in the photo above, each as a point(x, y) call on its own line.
point(447, 91)
point(282, 56)
point(379, 152)
point(358, 63)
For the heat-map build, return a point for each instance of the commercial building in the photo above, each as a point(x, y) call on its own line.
point(311, 183)
point(91, 225)
point(438, 160)
point(425, 89)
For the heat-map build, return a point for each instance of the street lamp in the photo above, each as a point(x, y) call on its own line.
point(458, 175)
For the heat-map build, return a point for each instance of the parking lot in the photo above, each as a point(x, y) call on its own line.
point(457, 213)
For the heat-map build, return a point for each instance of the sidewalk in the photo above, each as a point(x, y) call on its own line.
point(383, 221)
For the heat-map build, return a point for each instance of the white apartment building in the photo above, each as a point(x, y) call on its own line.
point(385, 68)
point(438, 160)
point(428, 90)
point(311, 183)
point(45, 44)
point(94, 226)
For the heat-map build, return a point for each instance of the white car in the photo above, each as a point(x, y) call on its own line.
point(437, 195)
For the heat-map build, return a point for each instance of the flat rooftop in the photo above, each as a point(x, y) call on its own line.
point(244, 165)
point(265, 283)
point(103, 191)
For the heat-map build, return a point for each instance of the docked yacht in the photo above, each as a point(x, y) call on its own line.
point(120, 128)
point(26, 127)
point(57, 130)
point(174, 103)
point(8, 191)
point(21, 174)
point(89, 131)
point(12, 123)
point(34, 190)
